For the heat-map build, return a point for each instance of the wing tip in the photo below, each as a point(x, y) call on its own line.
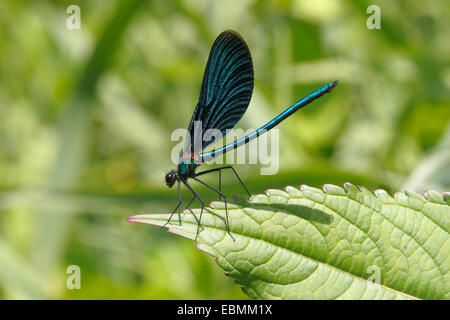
point(232, 32)
point(236, 35)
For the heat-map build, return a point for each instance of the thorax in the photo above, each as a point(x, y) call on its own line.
point(187, 165)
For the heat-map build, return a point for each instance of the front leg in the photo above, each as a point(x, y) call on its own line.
point(179, 203)
point(201, 211)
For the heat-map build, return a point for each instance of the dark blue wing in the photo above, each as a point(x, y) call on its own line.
point(226, 88)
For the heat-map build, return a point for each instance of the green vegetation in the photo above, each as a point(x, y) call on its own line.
point(332, 244)
point(87, 117)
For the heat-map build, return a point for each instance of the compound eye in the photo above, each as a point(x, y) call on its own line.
point(170, 177)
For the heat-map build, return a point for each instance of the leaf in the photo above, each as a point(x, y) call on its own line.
point(333, 243)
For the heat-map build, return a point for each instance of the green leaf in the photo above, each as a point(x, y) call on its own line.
point(334, 243)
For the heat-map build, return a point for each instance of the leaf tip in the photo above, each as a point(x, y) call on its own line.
point(135, 218)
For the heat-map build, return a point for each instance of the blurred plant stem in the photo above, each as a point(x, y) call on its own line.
point(18, 276)
point(432, 171)
point(74, 135)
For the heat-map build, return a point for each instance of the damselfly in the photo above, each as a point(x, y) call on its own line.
point(224, 97)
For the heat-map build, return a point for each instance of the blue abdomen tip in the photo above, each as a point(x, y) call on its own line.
point(332, 85)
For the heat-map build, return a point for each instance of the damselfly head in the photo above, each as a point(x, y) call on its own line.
point(171, 178)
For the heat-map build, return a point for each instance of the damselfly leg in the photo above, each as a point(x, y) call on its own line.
point(179, 203)
point(220, 175)
point(201, 210)
point(225, 201)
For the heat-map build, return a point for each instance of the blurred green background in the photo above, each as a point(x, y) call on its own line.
point(87, 115)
